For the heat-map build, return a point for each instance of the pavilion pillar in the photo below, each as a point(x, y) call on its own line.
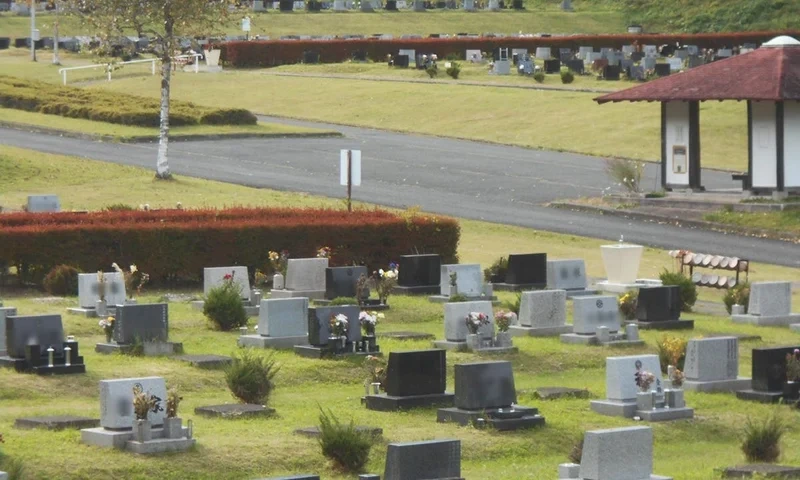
point(695, 182)
point(680, 145)
point(779, 146)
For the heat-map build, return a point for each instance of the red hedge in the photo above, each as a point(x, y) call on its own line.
point(278, 52)
point(175, 245)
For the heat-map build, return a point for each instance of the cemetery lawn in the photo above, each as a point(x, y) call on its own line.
point(246, 449)
point(127, 133)
point(785, 221)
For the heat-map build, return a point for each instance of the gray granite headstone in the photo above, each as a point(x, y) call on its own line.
point(283, 317)
point(482, 385)
point(43, 330)
point(617, 454)
point(649, 63)
point(4, 312)
point(142, 323)
point(544, 308)
point(712, 359)
point(214, 276)
point(455, 319)
point(319, 328)
point(88, 289)
point(595, 311)
point(116, 401)
point(421, 460)
point(43, 203)
point(306, 273)
point(770, 298)
point(469, 279)
point(621, 379)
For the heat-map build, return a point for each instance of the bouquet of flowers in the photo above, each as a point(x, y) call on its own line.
point(793, 366)
point(101, 285)
point(369, 320)
point(279, 261)
point(385, 281)
point(339, 325)
point(475, 320)
point(677, 378)
point(134, 279)
point(324, 252)
point(627, 305)
point(504, 319)
point(107, 324)
point(260, 278)
point(644, 379)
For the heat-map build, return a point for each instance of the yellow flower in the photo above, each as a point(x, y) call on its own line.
point(134, 269)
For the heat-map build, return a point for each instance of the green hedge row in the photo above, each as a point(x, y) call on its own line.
point(111, 107)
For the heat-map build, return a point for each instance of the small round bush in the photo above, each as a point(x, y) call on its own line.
point(761, 438)
point(224, 308)
point(539, 77)
point(343, 444)
point(738, 295)
point(454, 70)
point(338, 301)
point(61, 280)
point(249, 377)
point(567, 76)
point(687, 286)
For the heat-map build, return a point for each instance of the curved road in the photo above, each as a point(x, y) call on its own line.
point(453, 177)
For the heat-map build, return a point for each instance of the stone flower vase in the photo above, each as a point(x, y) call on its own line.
point(791, 391)
point(473, 341)
point(142, 431)
point(278, 282)
point(645, 400)
point(255, 297)
point(674, 398)
point(101, 308)
point(503, 339)
point(173, 427)
point(109, 334)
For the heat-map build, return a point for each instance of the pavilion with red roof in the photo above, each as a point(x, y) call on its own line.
point(768, 79)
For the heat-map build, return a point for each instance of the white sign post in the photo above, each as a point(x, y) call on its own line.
point(246, 26)
point(350, 172)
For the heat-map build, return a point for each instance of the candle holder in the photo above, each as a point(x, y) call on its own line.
point(67, 356)
point(50, 356)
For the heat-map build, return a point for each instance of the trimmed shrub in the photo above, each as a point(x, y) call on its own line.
point(738, 295)
point(343, 301)
point(343, 444)
point(671, 351)
point(61, 280)
point(628, 303)
point(539, 77)
point(454, 70)
point(761, 437)
point(118, 207)
point(499, 268)
point(175, 245)
point(249, 376)
point(224, 307)
point(567, 76)
point(687, 286)
point(229, 116)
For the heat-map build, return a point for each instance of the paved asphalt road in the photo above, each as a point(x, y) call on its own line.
point(453, 177)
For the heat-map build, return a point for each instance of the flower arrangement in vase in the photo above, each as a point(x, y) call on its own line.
point(324, 252)
point(504, 320)
point(475, 320)
point(676, 378)
point(143, 404)
point(101, 285)
point(134, 279)
point(173, 425)
point(107, 324)
point(376, 369)
point(644, 380)
point(368, 321)
point(279, 261)
point(627, 304)
point(453, 283)
point(385, 281)
point(339, 324)
point(791, 389)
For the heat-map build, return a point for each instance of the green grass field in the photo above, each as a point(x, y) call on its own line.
point(246, 449)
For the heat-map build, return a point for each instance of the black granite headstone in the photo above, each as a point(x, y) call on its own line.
point(319, 328)
point(43, 330)
point(401, 61)
point(142, 323)
point(637, 56)
point(611, 72)
point(341, 281)
point(576, 66)
point(286, 5)
point(552, 66)
point(422, 372)
point(310, 57)
point(662, 69)
point(21, 42)
point(359, 56)
point(769, 368)
point(527, 268)
point(421, 460)
point(659, 304)
point(483, 385)
point(5, 42)
point(419, 270)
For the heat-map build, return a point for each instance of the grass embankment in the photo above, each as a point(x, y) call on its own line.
point(785, 221)
point(244, 449)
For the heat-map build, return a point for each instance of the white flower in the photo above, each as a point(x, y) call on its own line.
point(390, 274)
point(134, 269)
point(116, 267)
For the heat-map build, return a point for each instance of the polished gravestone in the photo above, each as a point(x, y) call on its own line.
point(541, 314)
point(769, 374)
point(418, 274)
point(234, 410)
point(305, 277)
point(320, 343)
point(28, 339)
point(712, 365)
point(341, 281)
point(413, 379)
point(526, 271)
point(659, 308)
point(89, 293)
point(596, 321)
point(433, 459)
point(486, 397)
point(770, 303)
point(208, 362)
point(146, 325)
point(282, 323)
point(569, 275)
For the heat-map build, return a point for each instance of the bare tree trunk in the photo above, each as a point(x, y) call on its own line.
point(56, 60)
point(162, 163)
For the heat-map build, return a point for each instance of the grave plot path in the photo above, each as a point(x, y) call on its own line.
point(473, 180)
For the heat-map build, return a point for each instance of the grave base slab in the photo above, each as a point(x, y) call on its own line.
point(408, 335)
point(417, 290)
point(606, 286)
point(314, 432)
point(553, 393)
point(616, 340)
point(208, 362)
point(56, 422)
point(665, 414)
point(666, 325)
point(518, 287)
point(529, 419)
point(150, 349)
point(102, 437)
point(380, 307)
point(160, 445)
point(521, 331)
point(197, 304)
point(251, 310)
point(84, 312)
point(758, 396)
point(761, 320)
point(581, 293)
point(463, 347)
point(479, 298)
point(260, 341)
point(614, 408)
point(388, 403)
point(311, 351)
point(310, 294)
point(234, 410)
point(764, 469)
point(22, 366)
point(733, 385)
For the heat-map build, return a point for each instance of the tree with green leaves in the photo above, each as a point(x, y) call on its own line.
point(165, 22)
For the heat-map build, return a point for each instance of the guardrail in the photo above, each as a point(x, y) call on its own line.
point(196, 56)
point(107, 66)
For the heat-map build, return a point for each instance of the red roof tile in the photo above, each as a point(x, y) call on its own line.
point(771, 73)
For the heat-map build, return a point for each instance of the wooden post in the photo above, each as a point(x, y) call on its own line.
point(349, 180)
